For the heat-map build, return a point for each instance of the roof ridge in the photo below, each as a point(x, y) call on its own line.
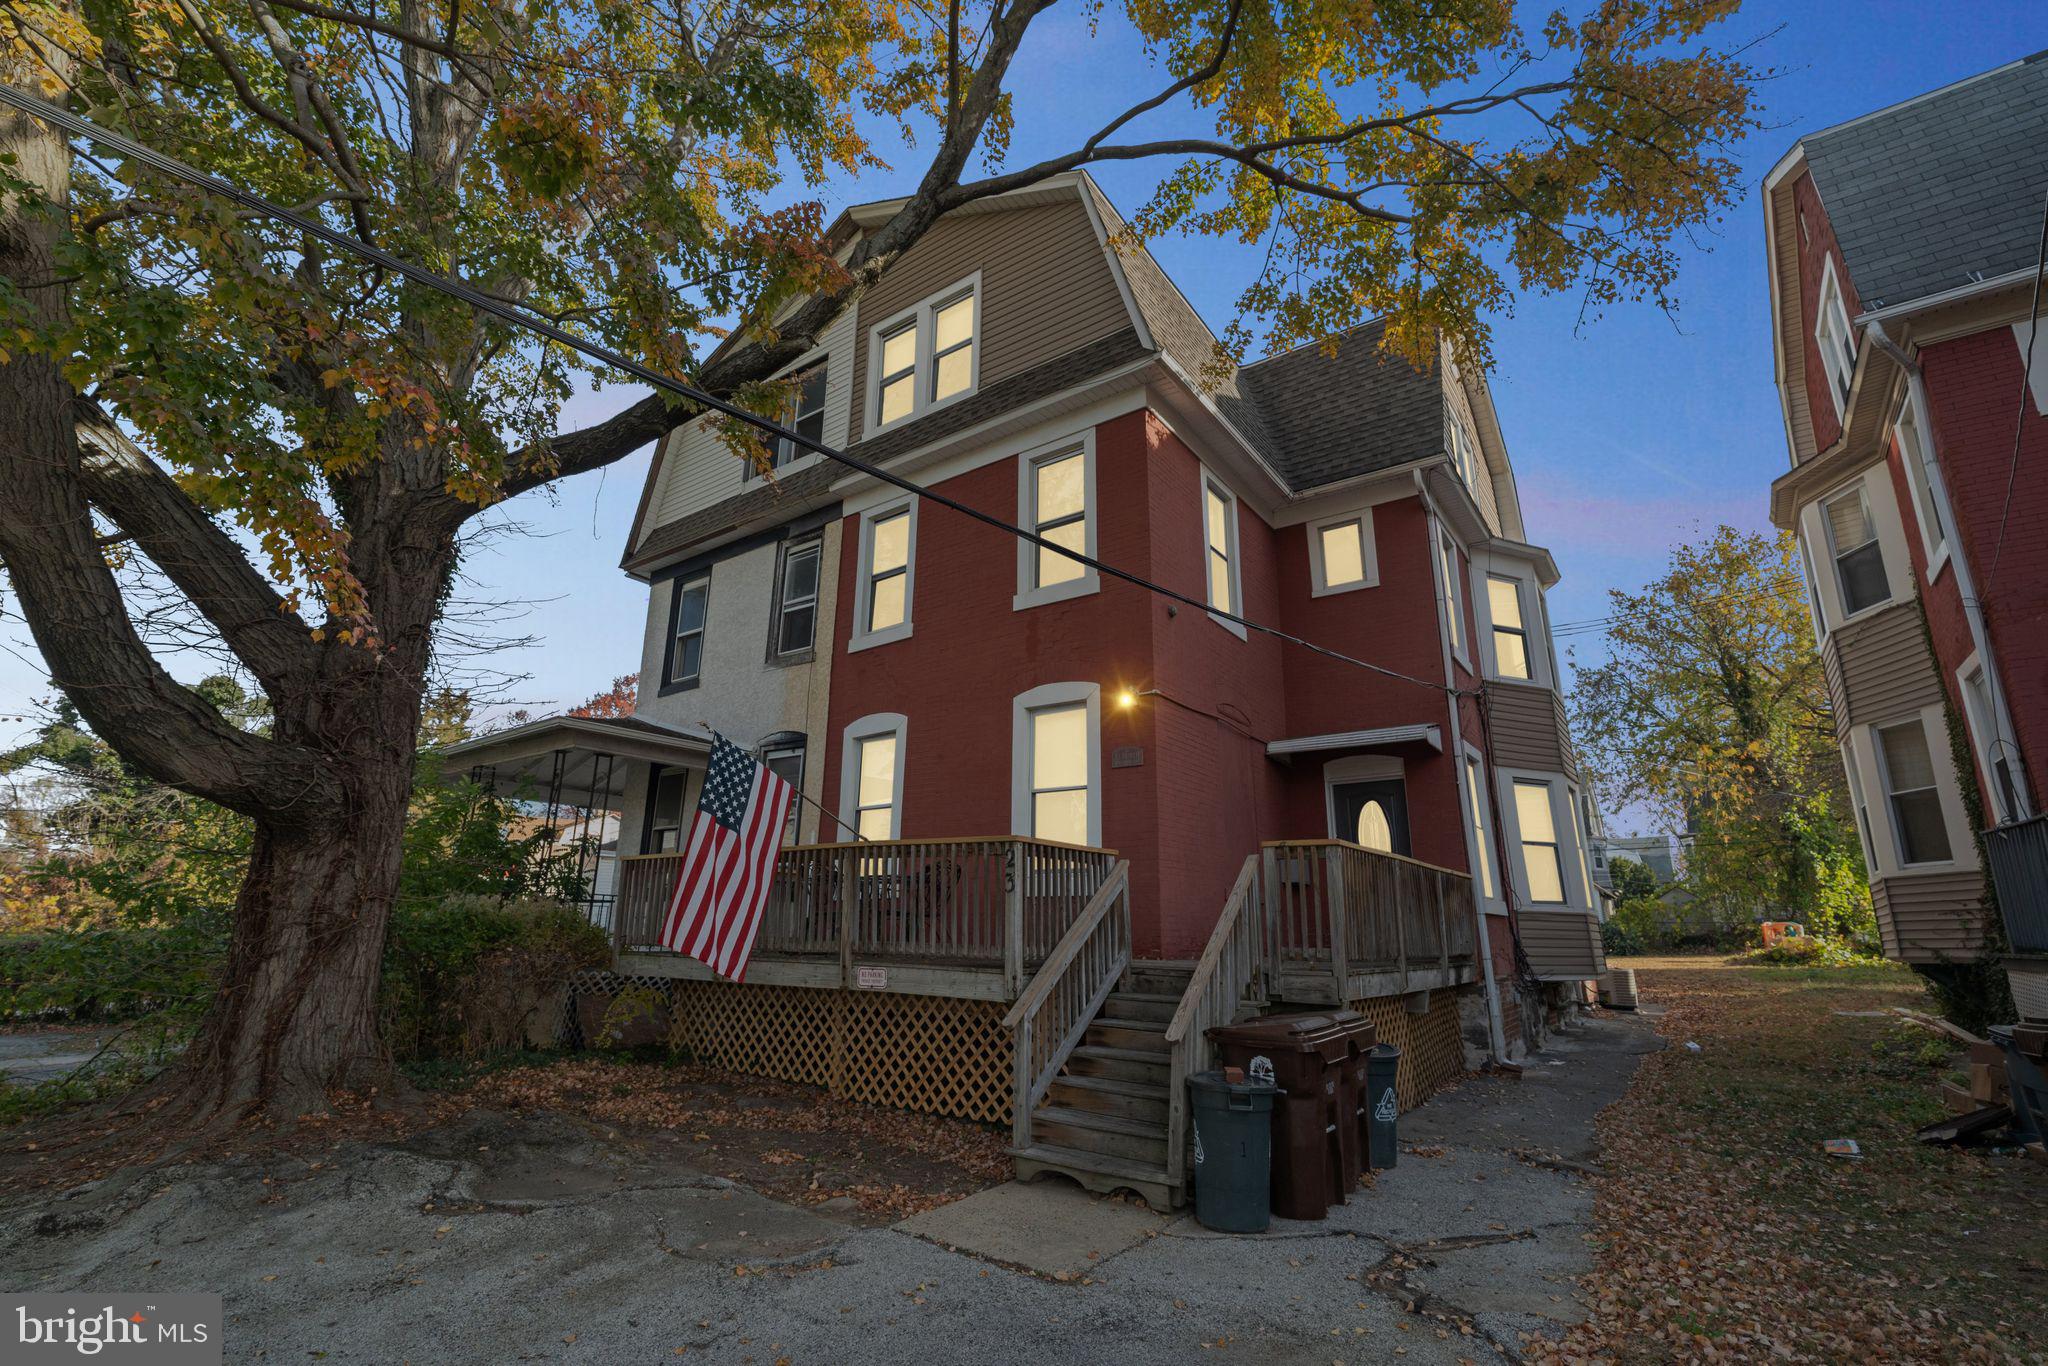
point(1378, 318)
point(1924, 96)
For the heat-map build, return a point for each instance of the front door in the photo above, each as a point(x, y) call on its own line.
point(1373, 814)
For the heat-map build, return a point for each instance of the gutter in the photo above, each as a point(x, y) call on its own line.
point(1496, 1032)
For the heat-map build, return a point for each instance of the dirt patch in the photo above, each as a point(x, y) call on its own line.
point(864, 1163)
point(1724, 1231)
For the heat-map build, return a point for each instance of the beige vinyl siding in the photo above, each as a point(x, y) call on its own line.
point(700, 470)
point(1528, 728)
point(1460, 403)
point(1930, 917)
point(1563, 946)
point(1880, 669)
point(1791, 316)
point(1046, 288)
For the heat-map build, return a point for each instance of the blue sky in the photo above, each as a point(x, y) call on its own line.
point(1629, 435)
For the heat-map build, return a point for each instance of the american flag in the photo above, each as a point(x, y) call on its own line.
point(728, 862)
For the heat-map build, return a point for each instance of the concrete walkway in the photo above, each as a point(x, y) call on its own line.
point(38, 1055)
point(492, 1241)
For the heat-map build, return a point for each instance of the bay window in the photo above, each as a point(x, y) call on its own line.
point(1911, 792)
point(1859, 558)
point(1536, 829)
point(1510, 633)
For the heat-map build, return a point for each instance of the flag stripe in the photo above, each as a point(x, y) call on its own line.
point(728, 869)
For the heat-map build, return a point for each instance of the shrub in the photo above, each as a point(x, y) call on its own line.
point(1621, 940)
point(1813, 951)
point(469, 973)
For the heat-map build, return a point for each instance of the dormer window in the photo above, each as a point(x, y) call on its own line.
point(1836, 342)
point(926, 356)
point(805, 417)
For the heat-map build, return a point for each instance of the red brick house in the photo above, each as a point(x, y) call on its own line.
point(1904, 256)
point(1017, 771)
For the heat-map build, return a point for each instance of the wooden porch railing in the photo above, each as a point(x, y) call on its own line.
point(1230, 974)
point(999, 903)
point(1359, 917)
point(1053, 1013)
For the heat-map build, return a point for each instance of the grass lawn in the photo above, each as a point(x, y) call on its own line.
point(1724, 1232)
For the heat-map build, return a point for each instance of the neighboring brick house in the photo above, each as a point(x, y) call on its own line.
point(1903, 249)
point(926, 678)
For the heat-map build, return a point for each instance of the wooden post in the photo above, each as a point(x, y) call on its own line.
point(1018, 856)
point(1443, 931)
point(1020, 1098)
point(1340, 922)
point(849, 900)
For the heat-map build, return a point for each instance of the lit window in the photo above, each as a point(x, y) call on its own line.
point(888, 571)
point(925, 356)
point(899, 374)
point(787, 763)
point(686, 649)
point(1916, 453)
point(1909, 780)
point(1510, 636)
point(1059, 773)
point(1859, 559)
point(796, 600)
point(1374, 831)
point(1540, 862)
point(1059, 513)
point(1454, 601)
point(953, 348)
point(1219, 518)
point(1482, 837)
point(806, 417)
point(874, 809)
point(665, 811)
point(1343, 554)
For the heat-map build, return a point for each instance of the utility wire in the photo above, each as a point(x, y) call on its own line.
point(521, 318)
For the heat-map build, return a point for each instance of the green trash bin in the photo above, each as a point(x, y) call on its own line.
point(1383, 1103)
point(1233, 1152)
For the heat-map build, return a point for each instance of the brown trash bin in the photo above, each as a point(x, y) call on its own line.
point(1353, 1120)
point(1304, 1056)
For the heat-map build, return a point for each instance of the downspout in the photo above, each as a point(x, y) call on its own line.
point(1959, 561)
point(1496, 1031)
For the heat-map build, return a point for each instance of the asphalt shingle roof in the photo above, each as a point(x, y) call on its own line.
point(1926, 193)
point(1326, 418)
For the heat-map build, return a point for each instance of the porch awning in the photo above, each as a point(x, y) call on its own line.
point(1387, 737)
point(564, 757)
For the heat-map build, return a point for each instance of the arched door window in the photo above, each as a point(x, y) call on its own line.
point(1374, 832)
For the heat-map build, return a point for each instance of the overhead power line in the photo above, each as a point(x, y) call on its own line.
point(523, 319)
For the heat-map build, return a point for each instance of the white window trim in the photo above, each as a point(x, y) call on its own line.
point(861, 638)
point(921, 314)
point(1988, 734)
point(1861, 488)
point(1203, 485)
point(1923, 477)
point(1037, 699)
point(1829, 309)
point(1535, 624)
point(1813, 603)
point(1451, 619)
point(869, 728)
point(1319, 584)
point(802, 459)
point(1562, 821)
point(1029, 593)
point(1859, 805)
point(1574, 798)
point(1883, 833)
point(1481, 850)
point(1359, 768)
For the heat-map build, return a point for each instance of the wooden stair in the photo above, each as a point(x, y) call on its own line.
point(1103, 1121)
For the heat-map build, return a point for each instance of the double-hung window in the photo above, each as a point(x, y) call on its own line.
point(805, 417)
point(871, 791)
point(1831, 334)
point(1222, 581)
point(1055, 494)
point(1465, 451)
point(1860, 804)
point(1542, 866)
point(1859, 558)
point(1910, 788)
point(1454, 601)
point(796, 600)
point(1059, 773)
point(1510, 632)
point(1482, 831)
point(786, 761)
point(887, 543)
point(686, 644)
point(1993, 751)
point(665, 811)
point(1916, 454)
point(926, 356)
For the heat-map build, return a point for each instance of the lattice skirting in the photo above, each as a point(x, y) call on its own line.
point(931, 1053)
point(1432, 1053)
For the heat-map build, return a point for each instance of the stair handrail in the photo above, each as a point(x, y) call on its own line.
point(1226, 975)
point(1069, 988)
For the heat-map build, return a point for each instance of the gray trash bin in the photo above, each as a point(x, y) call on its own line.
point(1382, 1103)
point(1233, 1152)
